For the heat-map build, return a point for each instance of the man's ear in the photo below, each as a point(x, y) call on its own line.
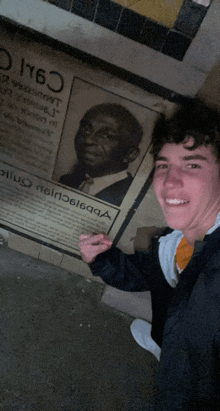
point(131, 155)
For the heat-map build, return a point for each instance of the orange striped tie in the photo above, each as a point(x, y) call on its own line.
point(183, 253)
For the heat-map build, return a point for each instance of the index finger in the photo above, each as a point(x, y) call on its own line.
point(85, 236)
point(96, 239)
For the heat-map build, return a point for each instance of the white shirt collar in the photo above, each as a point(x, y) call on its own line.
point(216, 225)
point(102, 182)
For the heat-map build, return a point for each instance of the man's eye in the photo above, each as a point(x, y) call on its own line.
point(193, 166)
point(161, 166)
point(85, 129)
point(107, 136)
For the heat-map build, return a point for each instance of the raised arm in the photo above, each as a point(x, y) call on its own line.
point(128, 272)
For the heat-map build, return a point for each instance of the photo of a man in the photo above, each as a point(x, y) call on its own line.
point(106, 142)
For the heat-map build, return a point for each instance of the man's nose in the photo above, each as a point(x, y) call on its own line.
point(173, 178)
point(91, 137)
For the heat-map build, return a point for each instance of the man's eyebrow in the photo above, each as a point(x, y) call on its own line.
point(185, 158)
point(161, 158)
point(195, 157)
point(84, 121)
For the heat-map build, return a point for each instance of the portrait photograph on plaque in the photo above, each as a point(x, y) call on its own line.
point(105, 139)
point(74, 145)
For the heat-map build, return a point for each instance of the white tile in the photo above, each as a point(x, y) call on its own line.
point(24, 245)
point(78, 267)
point(50, 255)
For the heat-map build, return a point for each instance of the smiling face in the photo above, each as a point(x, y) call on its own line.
point(101, 144)
point(187, 186)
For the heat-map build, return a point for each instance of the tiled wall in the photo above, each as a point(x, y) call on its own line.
point(162, 11)
point(171, 37)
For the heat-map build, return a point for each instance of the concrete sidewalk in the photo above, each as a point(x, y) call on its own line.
point(61, 347)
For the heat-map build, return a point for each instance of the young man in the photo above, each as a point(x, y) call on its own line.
point(182, 266)
point(106, 143)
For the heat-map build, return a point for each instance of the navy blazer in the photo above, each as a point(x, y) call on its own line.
point(186, 320)
point(113, 194)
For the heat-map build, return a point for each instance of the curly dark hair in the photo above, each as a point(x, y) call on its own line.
point(193, 119)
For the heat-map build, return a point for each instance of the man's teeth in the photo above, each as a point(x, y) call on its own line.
point(175, 201)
